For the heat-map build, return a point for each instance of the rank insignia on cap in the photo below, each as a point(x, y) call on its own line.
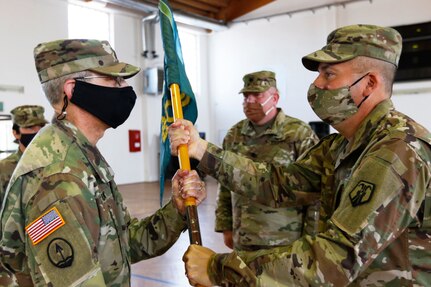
point(263, 83)
point(362, 193)
point(44, 225)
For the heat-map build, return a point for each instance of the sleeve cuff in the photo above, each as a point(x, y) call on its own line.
point(230, 267)
point(215, 268)
point(211, 159)
point(223, 226)
point(173, 215)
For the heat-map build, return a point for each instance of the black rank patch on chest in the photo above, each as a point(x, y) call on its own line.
point(60, 253)
point(362, 193)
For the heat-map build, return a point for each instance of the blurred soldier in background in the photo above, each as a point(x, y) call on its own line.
point(266, 135)
point(27, 121)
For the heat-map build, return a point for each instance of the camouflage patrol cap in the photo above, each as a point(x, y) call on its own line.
point(28, 116)
point(62, 57)
point(258, 82)
point(348, 42)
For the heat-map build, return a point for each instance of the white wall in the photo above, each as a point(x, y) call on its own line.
point(21, 30)
point(279, 43)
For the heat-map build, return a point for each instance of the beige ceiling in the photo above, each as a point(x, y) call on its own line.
point(228, 11)
point(221, 11)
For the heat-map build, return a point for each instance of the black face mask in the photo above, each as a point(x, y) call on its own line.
point(26, 139)
point(110, 105)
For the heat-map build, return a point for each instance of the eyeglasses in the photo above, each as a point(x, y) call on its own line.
point(118, 80)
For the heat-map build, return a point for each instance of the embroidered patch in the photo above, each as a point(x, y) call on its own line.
point(44, 225)
point(60, 253)
point(362, 193)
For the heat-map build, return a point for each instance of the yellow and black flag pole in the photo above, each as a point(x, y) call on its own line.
point(182, 100)
point(184, 161)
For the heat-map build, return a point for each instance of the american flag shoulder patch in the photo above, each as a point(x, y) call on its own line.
point(44, 225)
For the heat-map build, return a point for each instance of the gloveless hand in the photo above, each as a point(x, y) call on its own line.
point(182, 132)
point(187, 184)
point(196, 261)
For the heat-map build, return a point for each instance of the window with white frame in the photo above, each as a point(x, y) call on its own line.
point(7, 145)
point(88, 23)
point(190, 49)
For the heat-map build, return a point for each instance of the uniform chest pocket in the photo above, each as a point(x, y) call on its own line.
point(108, 210)
point(112, 237)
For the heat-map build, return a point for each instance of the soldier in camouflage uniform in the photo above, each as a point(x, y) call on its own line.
point(63, 220)
point(27, 121)
point(373, 179)
point(268, 135)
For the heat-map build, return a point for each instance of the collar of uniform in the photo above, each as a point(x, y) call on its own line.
point(249, 130)
point(90, 151)
point(19, 152)
point(369, 125)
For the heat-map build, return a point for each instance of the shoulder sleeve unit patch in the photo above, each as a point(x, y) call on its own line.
point(362, 193)
point(44, 225)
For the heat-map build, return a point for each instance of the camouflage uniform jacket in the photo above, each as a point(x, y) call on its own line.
point(7, 166)
point(255, 224)
point(376, 206)
point(61, 172)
